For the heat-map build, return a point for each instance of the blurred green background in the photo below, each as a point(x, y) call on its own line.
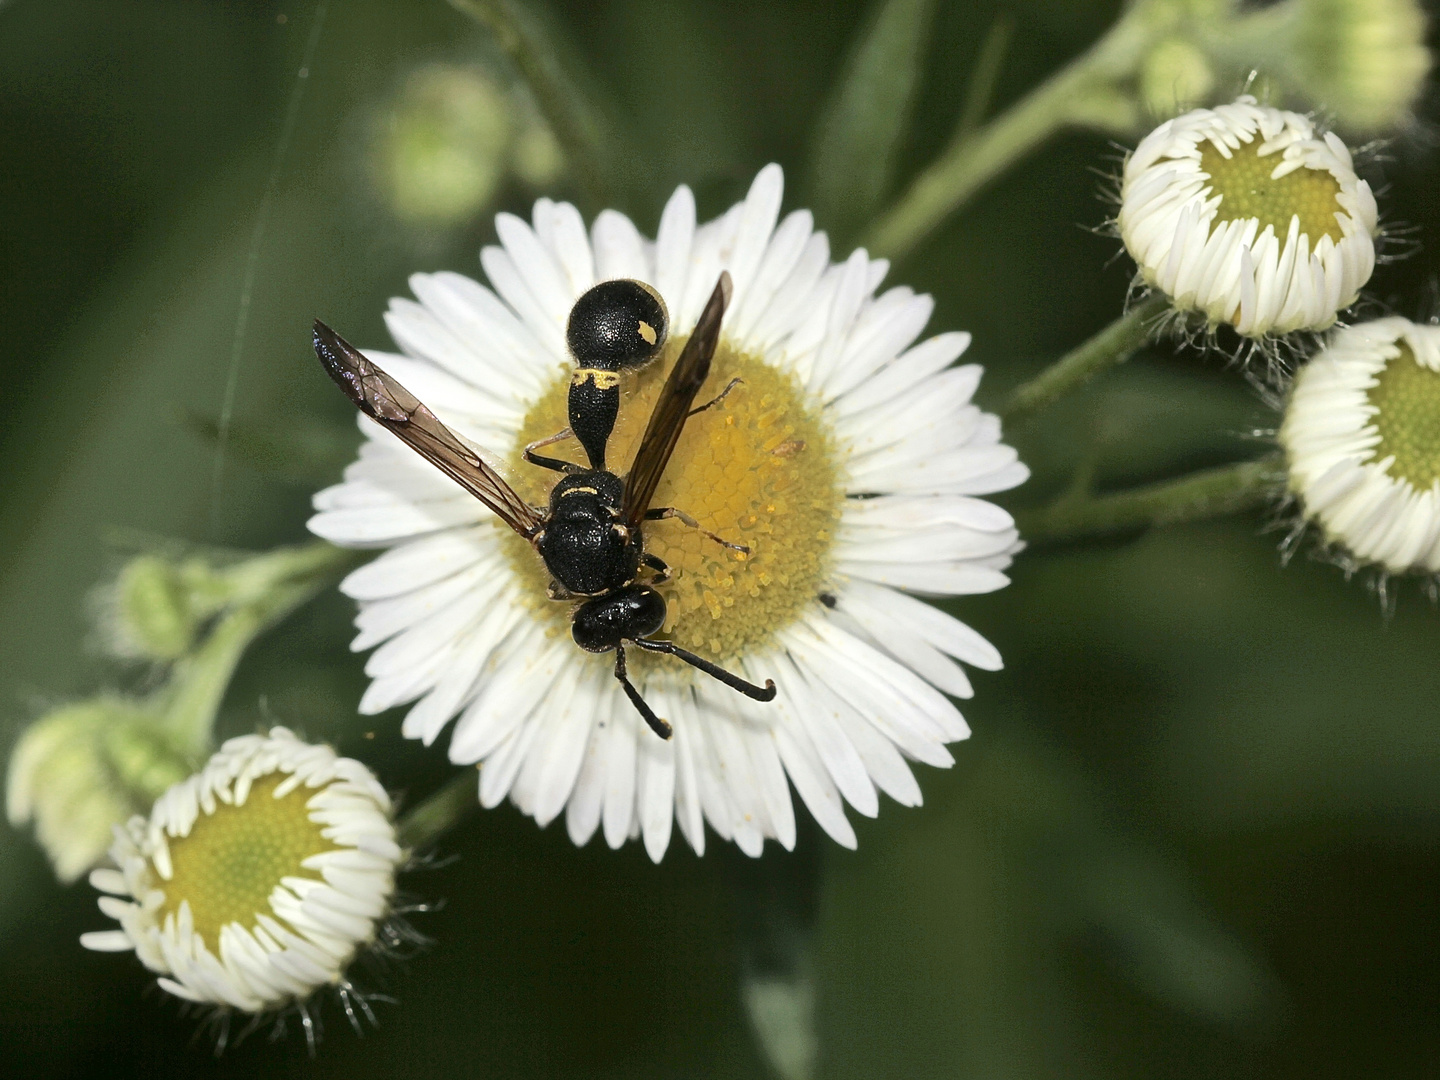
point(1195, 833)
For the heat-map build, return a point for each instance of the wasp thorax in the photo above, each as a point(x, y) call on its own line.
point(617, 324)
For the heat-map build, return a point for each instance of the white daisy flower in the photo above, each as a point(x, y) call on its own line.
point(1243, 214)
point(255, 882)
point(850, 462)
point(1362, 438)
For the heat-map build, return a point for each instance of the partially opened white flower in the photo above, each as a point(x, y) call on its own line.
point(1362, 438)
point(849, 462)
point(254, 883)
point(1243, 214)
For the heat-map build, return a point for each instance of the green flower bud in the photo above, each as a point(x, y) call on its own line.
point(1175, 76)
point(442, 151)
point(154, 616)
point(1365, 60)
point(538, 157)
point(1362, 61)
point(83, 769)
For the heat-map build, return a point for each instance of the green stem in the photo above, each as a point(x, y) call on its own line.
point(1086, 91)
point(576, 126)
point(275, 584)
point(439, 813)
point(1204, 494)
point(985, 74)
point(1109, 348)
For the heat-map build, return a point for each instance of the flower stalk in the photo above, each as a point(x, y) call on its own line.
point(1109, 348)
point(430, 819)
point(272, 586)
point(1086, 92)
point(1208, 493)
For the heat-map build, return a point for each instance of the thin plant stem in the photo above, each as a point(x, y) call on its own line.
point(981, 87)
point(576, 126)
point(442, 811)
point(1109, 348)
point(283, 580)
point(1204, 494)
point(1086, 91)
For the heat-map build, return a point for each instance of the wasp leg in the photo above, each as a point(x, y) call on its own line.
point(556, 591)
point(661, 513)
point(549, 462)
point(749, 689)
point(718, 397)
point(660, 727)
point(659, 565)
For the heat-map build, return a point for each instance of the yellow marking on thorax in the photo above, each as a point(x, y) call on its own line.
point(603, 380)
point(579, 490)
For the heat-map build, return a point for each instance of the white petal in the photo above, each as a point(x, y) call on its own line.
point(655, 791)
point(619, 250)
point(621, 766)
point(672, 248)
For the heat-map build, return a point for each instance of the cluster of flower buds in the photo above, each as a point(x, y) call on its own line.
point(1246, 216)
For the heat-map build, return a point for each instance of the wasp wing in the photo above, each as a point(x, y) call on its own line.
point(667, 419)
point(384, 400)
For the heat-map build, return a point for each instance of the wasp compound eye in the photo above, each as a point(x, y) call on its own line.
point(617, 324)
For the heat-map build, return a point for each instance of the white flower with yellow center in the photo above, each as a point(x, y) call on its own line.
point(1362, 438)
point(849, 461)
point(255, 882)
point(1243, 214)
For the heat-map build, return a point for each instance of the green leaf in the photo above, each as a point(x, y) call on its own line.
point(1168, 944)
point(865, 120)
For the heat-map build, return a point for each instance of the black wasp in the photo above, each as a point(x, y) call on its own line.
point(590, 535)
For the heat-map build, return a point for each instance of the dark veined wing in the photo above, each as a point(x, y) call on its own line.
point(667, 419)
point(384, 400)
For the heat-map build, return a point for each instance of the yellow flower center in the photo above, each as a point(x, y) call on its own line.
point(1406, 396)
point(1247, 191)
point(758, 469)
point(232, 860)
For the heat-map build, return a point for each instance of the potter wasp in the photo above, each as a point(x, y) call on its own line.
point(590, 536)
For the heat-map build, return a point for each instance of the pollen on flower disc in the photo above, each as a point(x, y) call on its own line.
point(232, 860)
point(1248, 190)
point(758, 469)
point(1406, 397)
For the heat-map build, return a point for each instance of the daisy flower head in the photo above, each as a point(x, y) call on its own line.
point(841, 471)
point(1245, 215)
point(255, 882)
point(1361, 436)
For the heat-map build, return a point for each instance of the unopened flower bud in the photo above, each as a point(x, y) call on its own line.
point(256, 881)
point(80, 770)
point(1245, 215)
point(1362, 439)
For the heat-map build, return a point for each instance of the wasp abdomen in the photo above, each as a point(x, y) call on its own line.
point(593, 406)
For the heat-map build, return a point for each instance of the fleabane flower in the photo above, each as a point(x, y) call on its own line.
point(254, 882)
point(1244, 214)
point(1362, 438)
point(850, 462)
